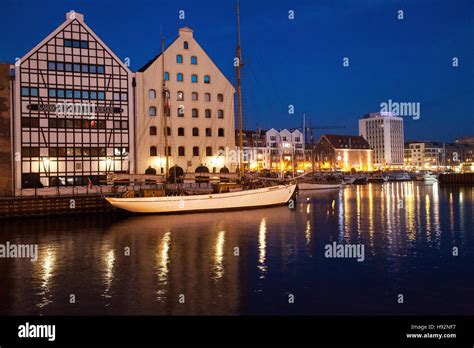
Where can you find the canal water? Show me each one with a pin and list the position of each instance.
(255, 262)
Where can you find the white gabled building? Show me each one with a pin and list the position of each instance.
(72, 111)
(286, 149)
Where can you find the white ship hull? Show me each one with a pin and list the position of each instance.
(317, 186)
(268, 196)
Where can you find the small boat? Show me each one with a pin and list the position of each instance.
(399, 176)
(430, 178)
(245, 199)
(318, 186)
(377, 178)
(349, 179)
(361, 180)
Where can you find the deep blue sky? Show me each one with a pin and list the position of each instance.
(297, 61)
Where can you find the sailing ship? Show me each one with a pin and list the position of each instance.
(237, 199)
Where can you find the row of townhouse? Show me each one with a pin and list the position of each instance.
(73, 112)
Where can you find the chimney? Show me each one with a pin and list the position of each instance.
(185, 32)
(74, 15)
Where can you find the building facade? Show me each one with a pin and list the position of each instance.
(6, 160)
(199, 108)
(286, 149)
(256, 155)
(343, 153)
(424, 154)
(384, 133)
(73, 110)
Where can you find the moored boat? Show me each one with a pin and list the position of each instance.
(318, 186)
(245, 199)
(377, 177)
(430, 178)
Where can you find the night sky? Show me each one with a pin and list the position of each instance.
(299, 61)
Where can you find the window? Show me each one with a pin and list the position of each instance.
(195, 151)
(152, 130)
(167, 76)
(220, 97)
(101, 96)
(181, 151)
(195, 132)
(194, 96)
(207, 113)
(51, 66)
(153, 151)
(151, 111)
(179, 59)
(208, 151)
(151, 94)
(181, 132)
(181, 111)
(208, 132)
(169, 151)
(179, 77)
(51, 93)
(194, 78)
(185, 45)
(167, 111)
(207, 97)
(100, 69)
(180, 96)
(168, 131)
(220, 113)
(194, 60)
(195, 113)
(77, 94)
(207, 79)
(220, 132)
(77, 67)
(221, 151)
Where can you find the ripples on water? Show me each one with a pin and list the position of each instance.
(248, 262)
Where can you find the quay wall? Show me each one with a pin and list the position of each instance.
(457, 178)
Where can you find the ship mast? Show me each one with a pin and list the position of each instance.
(164, 95)
(239, 93)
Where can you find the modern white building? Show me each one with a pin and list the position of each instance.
(199, 108)
(286, 149)
(384, 133)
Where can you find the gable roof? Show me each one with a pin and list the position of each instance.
(346, 141)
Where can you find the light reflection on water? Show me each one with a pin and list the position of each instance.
(408, 230)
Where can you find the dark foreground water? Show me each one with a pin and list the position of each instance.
(408, 231)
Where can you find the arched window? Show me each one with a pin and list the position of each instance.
(181, 151)
(179, 59)
(195, 132)
(207, 97)
(152, 150)
(208, 132)
(220, 132)
(195, 113)
(181, 111)
(194, 60)
(151, 94)
(151, 111)
(221, 151)
(180, 96)
(152, 130)
(195, 151)
(208, 151)
(181, 131)
(207, 79)
(207, 113)
(194, 96)
(169, 151)
(185, 45)
(220, 113)
(179, 77)
(194, 78)
(168, 131)
(167, 76)
(220, 97)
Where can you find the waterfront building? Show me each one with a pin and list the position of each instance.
(384, 133)
(6, 175)
(199, 108)
(73, 110)
(286, 150)
(424, 154)
(256, 155)
(343, 153)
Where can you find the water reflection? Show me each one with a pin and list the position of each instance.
(262, 245)
(405, 227)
